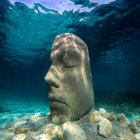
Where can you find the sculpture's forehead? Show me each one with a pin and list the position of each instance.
(68, 41)
(65, 48)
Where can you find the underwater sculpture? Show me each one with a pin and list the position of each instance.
(69, 79)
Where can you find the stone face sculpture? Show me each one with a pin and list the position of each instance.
(69, 79)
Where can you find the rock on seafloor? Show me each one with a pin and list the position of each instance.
(135, 126)
(121, 117)
(137, 136)
(19, 137)
(95, 116)
(105, 114)
(43, 137)
(125, 133)
(72, 131)
(105, 127)
(39, 127)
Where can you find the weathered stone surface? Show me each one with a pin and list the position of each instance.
(42, 137)
(138, 123)
(137, 136)
(23, 129)
(28, 137)
(53, 131)
(28, 124)
(19, 137)
(46, 137)
(106, 115)
(5, 135)
(95, 116)
(72, 131)
(105, 127)
(125, 133)
(69, 79)
(47, 132)
(103, 112)
(135, 126)
(121, 117)
(110, 117)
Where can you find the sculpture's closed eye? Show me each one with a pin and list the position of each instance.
(71, 59)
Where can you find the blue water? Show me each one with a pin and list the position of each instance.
(111, 30)
(11, 111)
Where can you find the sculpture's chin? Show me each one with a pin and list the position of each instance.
(60, 119)
(60, 112)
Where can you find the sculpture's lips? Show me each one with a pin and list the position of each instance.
(56, 100)
(57, 105)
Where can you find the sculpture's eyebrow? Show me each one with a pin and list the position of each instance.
(75, 41)
(55, 47)
(61, 52)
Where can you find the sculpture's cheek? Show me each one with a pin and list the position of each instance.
(71, 74)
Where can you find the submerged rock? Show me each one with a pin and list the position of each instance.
(106, 115)
(72, 131)
(45, 137)
(105, 127)
(137, 136)
(121, 117)
(95, 116)
(23, 129)
(28, 124)
(19, 137)
(53, 131)
(110, 117)
(103, 112)
(135, 126)
(5, 135)
(125, 133)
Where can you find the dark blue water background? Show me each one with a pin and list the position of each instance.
(110, 29)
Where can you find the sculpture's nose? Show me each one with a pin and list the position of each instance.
(51, 80)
